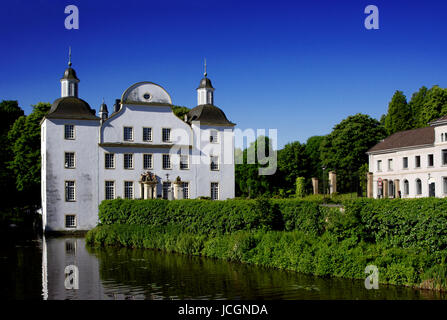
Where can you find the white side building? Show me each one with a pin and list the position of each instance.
(411, 163)
(141, 150)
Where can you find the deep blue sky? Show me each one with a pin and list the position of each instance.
(300, 67)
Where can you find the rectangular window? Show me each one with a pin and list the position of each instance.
(214, 163)
(166, 189)
(147, 134)
(109, 161)
(214, 136)
(128, 161)
(110, 190)
(128, 189)
(444, 157)
(70, 192)
(390, 164)
(69, 132)
(128, 134)
(214, 191)
(166, 135)
(379, 165)
(417, 161)
(444, 183)
(185, 186)
(166, 161)
(184, 162)
(147, 161)
(430, 160)
(69, 160)
(70, 221)
(405, 163)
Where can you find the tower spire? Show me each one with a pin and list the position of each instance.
(69, 56)
(205, 74)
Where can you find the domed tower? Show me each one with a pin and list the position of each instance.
(69, 82)
(205, 91)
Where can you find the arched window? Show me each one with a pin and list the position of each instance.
(406, 187)
(418, 186)
(391, 189)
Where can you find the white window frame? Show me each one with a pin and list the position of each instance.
(163, 161)
(379, 165)
(215, 192)
(75, 221)
(214, 136)
(65, 131)
(444, 189)
(390, 164)
(416, 163)
(66, 166)
(66, 190)
(403, 163)
(428, 160)
(106, 188)
(150, 134)
(126, 190)
(163, 135)
(131, 160)
(144, 161)
(131, 133)
(182, 164)
(216, 163)
(185, 193)
(112, 154)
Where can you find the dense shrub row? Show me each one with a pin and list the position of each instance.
(405, 238)
(295, 250)
(215, 217)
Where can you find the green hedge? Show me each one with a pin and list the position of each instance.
(407, 223)
(215, 217)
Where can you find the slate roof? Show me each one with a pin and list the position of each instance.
(408, 138)
(205, 83)
(70, 73)
(71, 108)
(209, 115)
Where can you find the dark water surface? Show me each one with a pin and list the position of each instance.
(35, 269)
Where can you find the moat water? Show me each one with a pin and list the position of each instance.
(34, 268)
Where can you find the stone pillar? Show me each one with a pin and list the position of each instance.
(332, 182)
(155, 191)
(369, 185)
(396, 188)
(385, 188)
(178, 194)
(146, 191)
(315, 185)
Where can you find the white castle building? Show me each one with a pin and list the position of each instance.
(141, 150)
(410, 164)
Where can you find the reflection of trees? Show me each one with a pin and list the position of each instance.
(155, 273)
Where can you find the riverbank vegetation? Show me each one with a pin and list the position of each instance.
(405, 238)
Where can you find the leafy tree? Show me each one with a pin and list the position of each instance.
(292, 163)
(9, 113)
(344, 149)
(416, 104)
(24, 138)
(248, 181)
(180, 111)
(435, 105)
(313, 154)
(399, 115)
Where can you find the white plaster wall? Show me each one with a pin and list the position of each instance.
(55, 174)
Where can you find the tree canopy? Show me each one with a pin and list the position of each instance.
(24, 138)
(399, 116)
(344, 149)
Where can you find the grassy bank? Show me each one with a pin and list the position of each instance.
(405, 239)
